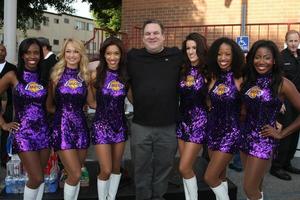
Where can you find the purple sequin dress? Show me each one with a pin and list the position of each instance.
(109, 125)
(70, 130)
(262, 109)
(193, 113)
(29, 103)
(223, 124)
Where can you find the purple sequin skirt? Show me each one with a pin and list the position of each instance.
(31, 140)
(105, 133)
(258, 146)
(70, 132)
(192, 125)
(226, 142)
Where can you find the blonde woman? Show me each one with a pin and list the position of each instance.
(67, 96)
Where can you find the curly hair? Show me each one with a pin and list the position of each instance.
(201, 51)
(251, 74)
(23, 48)
(59, 68)
(238, 58)
(103, 67)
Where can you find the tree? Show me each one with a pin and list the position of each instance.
(33, 9)
(107, 13)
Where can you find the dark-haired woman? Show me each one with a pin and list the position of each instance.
(191, 128)
(29, 128)
(225, 62)
(263, 91)
(109, 130)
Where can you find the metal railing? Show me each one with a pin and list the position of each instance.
(176, 34)
(99, 35)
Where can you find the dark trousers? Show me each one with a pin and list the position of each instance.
(4, 135)
(287, 146)
(3, 153)
(153, 150)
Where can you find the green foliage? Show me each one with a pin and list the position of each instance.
(33, 9)
(107, 13)
(109, 18)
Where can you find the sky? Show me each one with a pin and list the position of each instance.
(81, 9)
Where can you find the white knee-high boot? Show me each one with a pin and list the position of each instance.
(102, 187)
(77, 190)
(262, 196)
(70, 191)
(186, 192)
(225, 184)
(30, 194)
(114, 181)
(192, 188)
(40, 192)
(221, 192)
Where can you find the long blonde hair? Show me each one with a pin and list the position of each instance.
(59, 68)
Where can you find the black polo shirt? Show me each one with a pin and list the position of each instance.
(154, 81)
(9, 107)
(291, 66)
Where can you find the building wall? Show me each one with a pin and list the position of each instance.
(208, 12)
(68, 26)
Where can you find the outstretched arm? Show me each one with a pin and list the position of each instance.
(129, 95)
(289, 92)
(50, 98)
(91, 97)
(6, 81)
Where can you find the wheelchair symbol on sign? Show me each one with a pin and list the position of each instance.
(242, 43)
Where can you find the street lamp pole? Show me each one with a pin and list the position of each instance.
(10, 29)
(244, 17)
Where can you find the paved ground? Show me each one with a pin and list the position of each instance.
(274, 188)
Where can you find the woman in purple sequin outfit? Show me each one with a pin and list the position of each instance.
(67, 97)
(225, 61)
(264, 90)
(191, 127)
(30, 128)
(109, 130)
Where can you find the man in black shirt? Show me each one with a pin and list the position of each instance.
(154, 77)
(288, 145)
(5, 67)
(49, 60)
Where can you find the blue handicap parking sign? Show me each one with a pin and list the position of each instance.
(243, 42)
